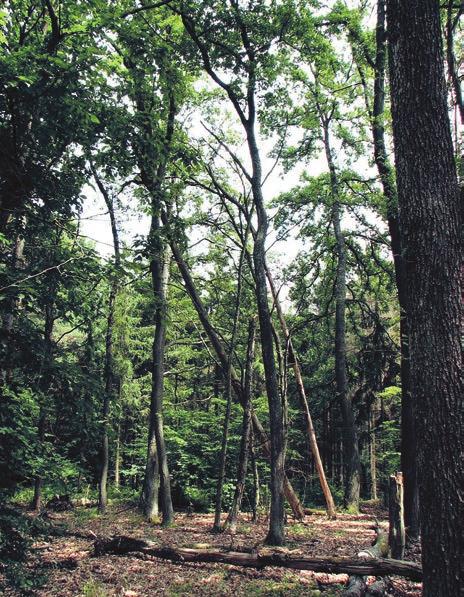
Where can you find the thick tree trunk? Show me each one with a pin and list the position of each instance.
(281, 559)
(431, 226)
(350, 433)
(293, 359)
(218, 348)
(231, 521)
(387, 178)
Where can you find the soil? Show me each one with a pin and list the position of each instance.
(71, 569)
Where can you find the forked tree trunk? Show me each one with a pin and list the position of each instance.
(431, 227)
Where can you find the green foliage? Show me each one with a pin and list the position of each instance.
(17, 533)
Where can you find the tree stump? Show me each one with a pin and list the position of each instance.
(397, 536)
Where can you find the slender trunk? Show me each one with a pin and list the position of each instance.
(222, 460)
(117, 458)
(37, 497)
(387, 178)
(228, 393)
(331, 511)
(12, 304)
(160, 277)
(222, 358)
(157, 461)
(109, 387)
(110, 375)
(350, 435)
(372, 455)
(231, 522)
(254, 468)
(431, 225)
(275, 534)
(44, 382)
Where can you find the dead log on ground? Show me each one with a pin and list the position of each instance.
(340, 565)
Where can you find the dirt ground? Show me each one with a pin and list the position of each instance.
(72, 570)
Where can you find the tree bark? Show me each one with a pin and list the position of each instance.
(275, 534)
(431, 226)
(282, 559)
(160, 277)
(387, 178)
(396, 516)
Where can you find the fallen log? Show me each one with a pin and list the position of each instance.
(121, 545)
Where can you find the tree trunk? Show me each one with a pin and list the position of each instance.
(431, 226)
(231, 521)
(396, 516)
(228, 393)
(45, 377)
(282, 559)
(293, 359)
(160, 277)
(350, 433)
(110, 376)
(12, 303)
(387, 178)
(254, 468)
(275, 534)
(372, 455)
(117, 458)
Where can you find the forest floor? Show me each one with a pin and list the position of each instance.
(71, 570)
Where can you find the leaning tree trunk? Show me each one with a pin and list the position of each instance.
(330, 504)
(431, 226)
(350, 434)
(387, 178)
(231, 521)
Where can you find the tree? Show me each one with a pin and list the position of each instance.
(431, 228)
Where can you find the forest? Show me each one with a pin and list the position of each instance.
(231, 281)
